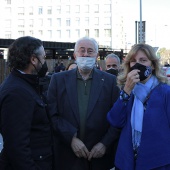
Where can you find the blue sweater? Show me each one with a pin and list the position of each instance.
(154, 150)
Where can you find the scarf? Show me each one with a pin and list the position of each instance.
(141, 92)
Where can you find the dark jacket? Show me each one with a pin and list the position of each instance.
(24, 124)
(63, 108)
(154, 150)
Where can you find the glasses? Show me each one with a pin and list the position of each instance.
(89, 51)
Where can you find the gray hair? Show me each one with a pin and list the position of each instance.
(87, 38)
(112, 55)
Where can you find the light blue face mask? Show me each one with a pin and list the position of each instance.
(86, 63)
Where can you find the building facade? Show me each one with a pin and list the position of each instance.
(64, 20)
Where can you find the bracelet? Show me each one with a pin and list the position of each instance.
(124, 96)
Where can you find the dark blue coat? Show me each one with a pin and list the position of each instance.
(24, 125)
(154, 150)
(63, 106)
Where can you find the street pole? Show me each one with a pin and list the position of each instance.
(140, 37)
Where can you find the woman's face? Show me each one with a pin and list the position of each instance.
(140, 58)
(72, 66)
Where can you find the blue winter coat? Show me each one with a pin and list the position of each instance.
(154, 150)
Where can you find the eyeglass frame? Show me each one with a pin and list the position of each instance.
(83, 50)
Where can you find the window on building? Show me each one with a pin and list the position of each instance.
(21, 23)
(87, 21)
(40, 22)
(49, 34)
(77, 21)
(20, 11)
(58, 22)
(30, 10)
(58, 9)
(107, 43)
(31, 22)
(8, 1)
(107, 32)
(107, 8)
(86, 8)
(96, 8)
(96, 21)
(7, 35)
(21, 33)
(49, 10)
(20, 1)
(77, 9)
(40, 10)
(77, 33)
(67, 7)
(49, 22)
(68, 33)
(107, 21)
(8, 23)
(96, 32)
(87, 32)
(58, 34)
(8, 11)
(40, 32)
(31, 32)
(68, 22)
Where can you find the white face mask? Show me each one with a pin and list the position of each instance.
(85, 63)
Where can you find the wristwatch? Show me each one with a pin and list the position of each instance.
(124, 96)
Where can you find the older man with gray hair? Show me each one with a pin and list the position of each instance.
(112, 62)
(79, 100)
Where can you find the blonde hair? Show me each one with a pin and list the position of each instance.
(150, 53)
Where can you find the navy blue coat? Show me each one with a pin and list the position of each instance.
(24, 125)
(63, 108)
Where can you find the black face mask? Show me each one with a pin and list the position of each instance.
(43, 70)
(145, 71)
(112, 71)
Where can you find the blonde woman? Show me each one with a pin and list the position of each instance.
(143, 113)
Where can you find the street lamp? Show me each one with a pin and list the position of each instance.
(140, 36)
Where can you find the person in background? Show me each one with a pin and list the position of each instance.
(79, 100)
(56, 68)
(71, 66)
(59, 67)
(142, 112)
(112, 62)
(24, 123)
(62, 67)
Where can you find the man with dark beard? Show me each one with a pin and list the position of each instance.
(24, 122)
(79, 100)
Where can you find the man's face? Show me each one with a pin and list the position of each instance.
(112, 63)
(40, 57)
(85, 48)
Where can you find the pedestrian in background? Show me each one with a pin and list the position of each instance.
(24, 123)
(142, 112)
(112, 64)
(56, 68)
(79, 100)
(71, 66)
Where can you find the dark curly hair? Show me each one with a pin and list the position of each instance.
(21, 50)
